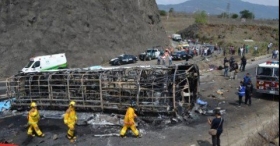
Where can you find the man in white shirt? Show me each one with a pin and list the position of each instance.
(241, 51)
(268, 47)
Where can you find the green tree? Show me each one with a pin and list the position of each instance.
(246, 14)
(200, 17)
(171, 10)
(234, 16)
(162, 13)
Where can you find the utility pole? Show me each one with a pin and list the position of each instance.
(228, 7)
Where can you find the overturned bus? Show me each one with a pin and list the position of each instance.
(155, 89)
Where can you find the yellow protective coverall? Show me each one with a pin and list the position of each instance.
(33, 119)
(129, 122)
(70, 119)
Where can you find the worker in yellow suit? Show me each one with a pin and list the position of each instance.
(129, 121)
(33, 119)
(70, 119)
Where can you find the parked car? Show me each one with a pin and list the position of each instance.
(151, 53)
(180, 55)
(123, 59)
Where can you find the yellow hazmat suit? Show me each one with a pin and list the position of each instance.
(33, 119)
(70, 119)
(129, 122)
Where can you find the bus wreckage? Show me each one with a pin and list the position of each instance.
(155, 89)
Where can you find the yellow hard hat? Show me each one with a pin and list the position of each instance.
(73, 103)
(33, 104)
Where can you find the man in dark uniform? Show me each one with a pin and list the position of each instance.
(248, 92)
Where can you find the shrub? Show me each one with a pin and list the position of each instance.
(200, 17)
(234, 16)
(162, 13)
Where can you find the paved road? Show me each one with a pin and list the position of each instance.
(180, 134)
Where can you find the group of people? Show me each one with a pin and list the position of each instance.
(167, 54)
(245, 89)
(230, 65)
(70, 119)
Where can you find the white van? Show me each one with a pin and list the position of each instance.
(45, 63)
(176, 37)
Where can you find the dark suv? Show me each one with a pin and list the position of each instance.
(123, 59)
(180, 55)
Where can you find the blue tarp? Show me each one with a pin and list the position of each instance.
(5, 104)
(201, 102)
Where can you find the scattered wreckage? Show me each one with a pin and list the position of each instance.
(156, 89)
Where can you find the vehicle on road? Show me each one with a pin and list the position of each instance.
(46, 63)
(124, 59)
(267, 78)
(151, 53)
(180, 55)
(176, 37)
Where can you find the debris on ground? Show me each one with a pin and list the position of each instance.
(200, 106)
(55, 137)
(212, 96)
(107, 135)
(221, 92)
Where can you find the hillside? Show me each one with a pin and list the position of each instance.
(90, 32)
(215, 7)
(226, 35)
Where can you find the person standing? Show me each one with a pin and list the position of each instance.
(241, 51)
(129, 121)
(225, 60)
(226, 66)
(163, 59)
(33, 118)
(217, 123)
(248, 93)
(170, 58)
(246, 49)
(273, 54)
(70, 119)
(243, 63)
(276, 54)
(241, 93)
(268, 47)
(246, 79)
(256, 50)
(158, 60)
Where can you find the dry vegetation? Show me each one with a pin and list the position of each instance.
(226, 32)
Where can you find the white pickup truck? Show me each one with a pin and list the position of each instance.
(151, 53)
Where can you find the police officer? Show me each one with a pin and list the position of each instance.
(248, 92)
(241, 92)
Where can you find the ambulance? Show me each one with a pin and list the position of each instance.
(46, 63)
(267, 77)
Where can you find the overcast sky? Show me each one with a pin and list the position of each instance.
(262, 2)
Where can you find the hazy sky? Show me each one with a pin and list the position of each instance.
(263, 2)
